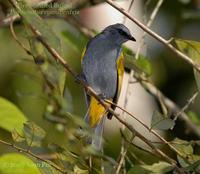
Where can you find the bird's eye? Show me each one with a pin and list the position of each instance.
(121, 32)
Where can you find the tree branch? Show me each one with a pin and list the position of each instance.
(189, 102)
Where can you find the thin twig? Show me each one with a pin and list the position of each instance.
(156, 36)
(123, 153)
(189, 102)
(129, 8)
(16, 39)
(149, 23)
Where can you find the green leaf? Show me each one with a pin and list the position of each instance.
(141, 65)
(197, 78)
(80, 171)
(194, 167)
(184, 1)
(184, 147)
(33, 134)
(75, 39)
(192, 49)
(46, 168)
(14, 163)
(160, 122)
(158, 168)
(17, 137)
(137, 170)
(31, 17)
(191, 164)
(144, 64)
(11, 117)
(184, 163)
(194, 117)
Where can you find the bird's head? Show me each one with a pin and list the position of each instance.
(119, 33)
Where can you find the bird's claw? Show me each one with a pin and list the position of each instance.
(79, 77)
(102, 96)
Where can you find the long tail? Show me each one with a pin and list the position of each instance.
(95, 118)
(97, 141)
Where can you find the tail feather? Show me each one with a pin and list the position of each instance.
(98, 139)
(95, 118)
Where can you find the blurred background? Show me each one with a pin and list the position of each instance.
(22, 83)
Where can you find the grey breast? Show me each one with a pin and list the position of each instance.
(99, 65)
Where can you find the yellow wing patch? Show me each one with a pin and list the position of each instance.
(96, 112)
(83, 53)
(120, 73)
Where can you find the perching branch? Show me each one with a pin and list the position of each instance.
(156, 36)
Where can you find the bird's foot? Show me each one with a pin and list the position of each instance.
(79, 78)
(102, 96)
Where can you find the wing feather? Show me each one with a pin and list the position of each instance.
(120, 73)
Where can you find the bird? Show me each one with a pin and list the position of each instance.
(103, 69)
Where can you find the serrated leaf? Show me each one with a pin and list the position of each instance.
(192, 49)
(160, 122)
(184, 147)
(11, 117)
(33, 134)
(14, 163)
(158, 168)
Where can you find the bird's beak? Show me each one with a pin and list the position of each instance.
(132, 38)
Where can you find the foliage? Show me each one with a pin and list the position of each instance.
(11, 117)
(57, 144)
